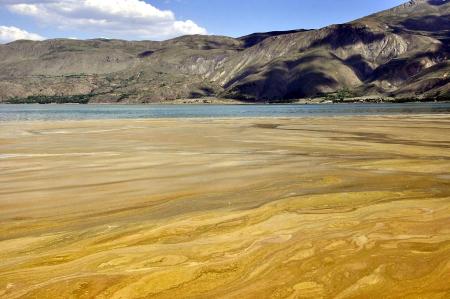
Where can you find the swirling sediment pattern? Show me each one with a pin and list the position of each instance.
(344, 207)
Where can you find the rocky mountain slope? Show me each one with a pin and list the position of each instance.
(402, 52)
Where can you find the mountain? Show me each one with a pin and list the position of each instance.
(402, 53)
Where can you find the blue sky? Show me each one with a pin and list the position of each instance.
(162, 19)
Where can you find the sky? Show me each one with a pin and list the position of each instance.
(165, 19)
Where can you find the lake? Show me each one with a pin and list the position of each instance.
(80, 112)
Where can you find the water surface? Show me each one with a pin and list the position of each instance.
(79, 112)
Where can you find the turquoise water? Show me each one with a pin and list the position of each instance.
(78, 112)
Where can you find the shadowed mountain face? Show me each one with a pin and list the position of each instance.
(400, 52)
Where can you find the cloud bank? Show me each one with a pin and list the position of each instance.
(130, 19)
(11, 33)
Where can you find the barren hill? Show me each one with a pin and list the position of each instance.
(401, 52)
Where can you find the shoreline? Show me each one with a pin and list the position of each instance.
(219, 101)
(232, 104)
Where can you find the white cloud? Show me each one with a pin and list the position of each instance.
(11, 33)
(25, 1)
(132, 19)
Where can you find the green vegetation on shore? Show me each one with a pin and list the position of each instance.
(42, 99)
(341, 96)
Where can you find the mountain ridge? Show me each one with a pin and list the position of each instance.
(402, 52)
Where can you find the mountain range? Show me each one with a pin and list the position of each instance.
(401, 54)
